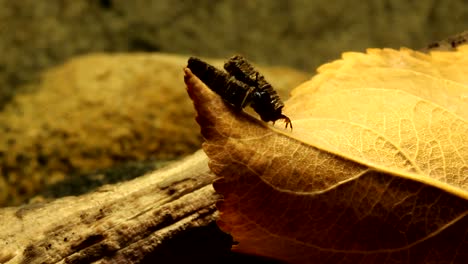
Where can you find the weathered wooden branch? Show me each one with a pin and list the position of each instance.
(148, 217)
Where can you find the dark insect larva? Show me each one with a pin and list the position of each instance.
(241, 86)
(231, 90)
(265, 100)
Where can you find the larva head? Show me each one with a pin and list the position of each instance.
(269, 107)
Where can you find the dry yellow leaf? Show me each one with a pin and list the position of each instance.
(375, 171)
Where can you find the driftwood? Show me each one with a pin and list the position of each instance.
(167, 216)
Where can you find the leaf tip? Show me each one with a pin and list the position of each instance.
(190, 81)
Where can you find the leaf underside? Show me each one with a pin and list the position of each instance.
(375, 171)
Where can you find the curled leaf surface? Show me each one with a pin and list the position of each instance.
(375, 171)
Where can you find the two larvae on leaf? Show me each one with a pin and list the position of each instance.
(241, 86)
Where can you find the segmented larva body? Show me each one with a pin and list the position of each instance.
(231, 90)
(265, 101)
(241, 86)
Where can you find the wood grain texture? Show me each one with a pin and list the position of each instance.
(118, 223)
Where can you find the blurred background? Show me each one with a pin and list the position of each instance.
(39, 39)
(297, 33)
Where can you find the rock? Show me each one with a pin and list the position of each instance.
(99, 111)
